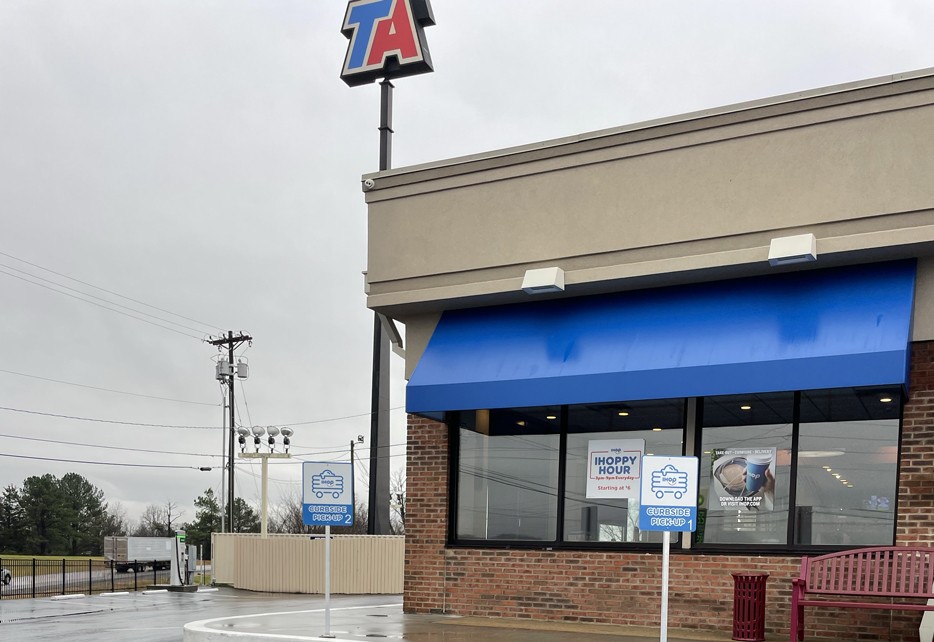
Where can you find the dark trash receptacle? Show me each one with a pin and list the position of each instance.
(749, 606)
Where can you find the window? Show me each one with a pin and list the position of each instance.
(507, 484)
(588, 517)
(816, 468)
(740, 432)
(781, 471)
(513, 464)
(847, 467)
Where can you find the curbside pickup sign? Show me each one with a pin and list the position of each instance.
(327, 493)
(668, 500)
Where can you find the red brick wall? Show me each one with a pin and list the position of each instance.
(623, 587)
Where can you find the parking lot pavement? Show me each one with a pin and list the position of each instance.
(156, 617)
(228, 614)
(351, 623)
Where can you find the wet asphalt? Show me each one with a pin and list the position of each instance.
(227, 614)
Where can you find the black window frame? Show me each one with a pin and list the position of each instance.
(680, 543)
(453, 421)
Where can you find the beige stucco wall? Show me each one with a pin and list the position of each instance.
(682, 200)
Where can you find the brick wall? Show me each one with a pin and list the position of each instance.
(623, 587)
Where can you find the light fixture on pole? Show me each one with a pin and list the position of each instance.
(272, 432)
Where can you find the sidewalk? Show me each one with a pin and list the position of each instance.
(366, 623)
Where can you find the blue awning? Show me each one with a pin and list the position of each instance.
(806, 330)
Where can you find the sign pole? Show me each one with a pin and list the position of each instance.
(327, 583)
(327, 498)
(666, 551)
(668, 502)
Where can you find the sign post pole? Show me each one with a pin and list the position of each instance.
(327, 583)
(668, 502)
(666, 552)
(327, 498)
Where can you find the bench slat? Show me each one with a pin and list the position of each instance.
(867, 605)
(880, 571)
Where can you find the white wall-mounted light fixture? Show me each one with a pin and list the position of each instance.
(543, 280)
(786, 250)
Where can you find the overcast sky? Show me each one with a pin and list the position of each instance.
(204, 157)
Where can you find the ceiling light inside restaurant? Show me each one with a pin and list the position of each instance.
(811, 454)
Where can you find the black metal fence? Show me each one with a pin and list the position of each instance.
(46, 577)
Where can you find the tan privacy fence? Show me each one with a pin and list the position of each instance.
(360, 564)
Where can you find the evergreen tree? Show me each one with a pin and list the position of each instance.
(207, 520)
(86, 515)
(11, 521)
(245, 517)
(45, 516)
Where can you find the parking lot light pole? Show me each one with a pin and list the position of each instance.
(257, 432)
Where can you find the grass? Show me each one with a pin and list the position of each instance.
(56, 558)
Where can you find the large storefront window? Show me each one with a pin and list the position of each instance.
(658, 427)
(847, 475)
(507, 487)
(740, 433)
(789, 470)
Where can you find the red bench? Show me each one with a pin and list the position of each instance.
(896, 572)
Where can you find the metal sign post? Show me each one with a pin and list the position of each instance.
(327, 583)
(668, 502)
(327, 498)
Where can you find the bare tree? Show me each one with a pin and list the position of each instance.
(397, 501)
(159, 521)
(286, 517)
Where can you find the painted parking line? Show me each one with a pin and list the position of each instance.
(203, 629)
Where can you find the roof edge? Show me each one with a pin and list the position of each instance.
(657, 122)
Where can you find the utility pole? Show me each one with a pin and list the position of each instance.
(226, 371)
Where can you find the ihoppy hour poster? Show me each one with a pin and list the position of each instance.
(614, 468)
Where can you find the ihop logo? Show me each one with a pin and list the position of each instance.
(387, 39)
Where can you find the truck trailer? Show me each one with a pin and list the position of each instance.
(138, 553)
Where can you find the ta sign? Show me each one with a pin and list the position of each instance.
(387, 39)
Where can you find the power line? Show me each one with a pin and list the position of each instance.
(85, 445)
(93, 296)
(126, 314)
(100, 463)
(97, 287)
(246, 404)
(120, 392)
(321, 421)
(154, 425)
(107, 421)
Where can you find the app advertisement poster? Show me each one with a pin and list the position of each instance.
(614, 468)
(742, 478)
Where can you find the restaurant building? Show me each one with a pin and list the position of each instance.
(750, 281)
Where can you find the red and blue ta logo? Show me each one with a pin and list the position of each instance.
(387, 39)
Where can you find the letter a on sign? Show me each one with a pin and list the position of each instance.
(387, 39)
